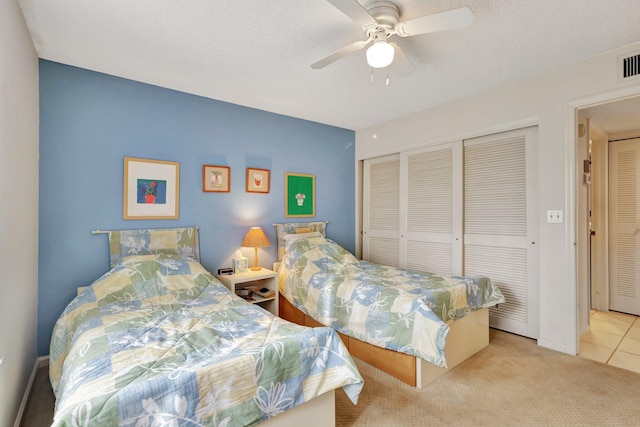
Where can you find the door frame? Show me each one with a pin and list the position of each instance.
(577, 274)
(599, 196)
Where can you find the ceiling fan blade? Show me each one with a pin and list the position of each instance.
(355, 11)
(354, 47)
(448, 20)
(401, 63)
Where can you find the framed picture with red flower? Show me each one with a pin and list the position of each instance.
(151, 189)
(258, 180)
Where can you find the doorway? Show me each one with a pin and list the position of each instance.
(609, 210)
(607, 248)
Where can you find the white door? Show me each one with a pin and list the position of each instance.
(431, 227)
(381, 210)
(500, 227)
(467, 207)
(624, 226)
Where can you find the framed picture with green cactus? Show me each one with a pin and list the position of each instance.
(216, 179)
(151, 189)
(300, 195)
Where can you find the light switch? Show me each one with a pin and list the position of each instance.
(554, 217)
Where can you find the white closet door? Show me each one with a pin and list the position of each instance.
(624, 226)
(462, 208)
(500, 230)
(431, 227)
(381, 210)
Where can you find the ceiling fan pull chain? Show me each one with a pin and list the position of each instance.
(388, 81)
(371, 74)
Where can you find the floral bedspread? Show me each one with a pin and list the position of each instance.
(402, 310)
(159, 341)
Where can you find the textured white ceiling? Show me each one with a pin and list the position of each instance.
(258, 53)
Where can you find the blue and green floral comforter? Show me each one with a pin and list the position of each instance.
(402, 310)
(159, 341)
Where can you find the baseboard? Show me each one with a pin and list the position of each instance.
(43, 361)
(40, 361)
(553, 346)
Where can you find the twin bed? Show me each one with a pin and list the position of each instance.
(157, 340)
(403, 322)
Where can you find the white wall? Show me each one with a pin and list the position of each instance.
(18, 208)
(547, 100)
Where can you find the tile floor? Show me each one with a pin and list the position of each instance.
(614, 339)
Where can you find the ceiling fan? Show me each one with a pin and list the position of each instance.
(380, 21)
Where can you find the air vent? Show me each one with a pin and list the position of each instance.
(628, 67)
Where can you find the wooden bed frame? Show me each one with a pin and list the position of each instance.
(466, 337)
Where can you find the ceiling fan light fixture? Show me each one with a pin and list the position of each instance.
(380, 54)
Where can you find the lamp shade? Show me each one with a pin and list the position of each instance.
(255, 238)
(380, 54)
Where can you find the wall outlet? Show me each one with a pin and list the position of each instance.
(554, 217)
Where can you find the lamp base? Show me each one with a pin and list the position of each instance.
(255, 267)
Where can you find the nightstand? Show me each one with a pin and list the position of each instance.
(255, 280)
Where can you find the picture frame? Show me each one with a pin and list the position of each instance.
(258, 180)
(216, 179)
(300, 195)
(151, 189)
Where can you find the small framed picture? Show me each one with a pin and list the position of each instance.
(151, 189)
(258, 180)
(216, 179)
(300, 195)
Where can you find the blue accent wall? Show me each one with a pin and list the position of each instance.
(90, 121)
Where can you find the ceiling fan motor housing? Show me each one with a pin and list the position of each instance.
(385, 12)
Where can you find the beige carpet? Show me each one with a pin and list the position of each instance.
(511, 382)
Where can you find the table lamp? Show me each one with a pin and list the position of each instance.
(255, 239)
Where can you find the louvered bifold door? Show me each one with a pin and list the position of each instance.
(381, 210)
(431, 228)
(624, 226)
(500, 230)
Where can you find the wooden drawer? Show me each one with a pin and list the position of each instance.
(400, 365)
(289, 312)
